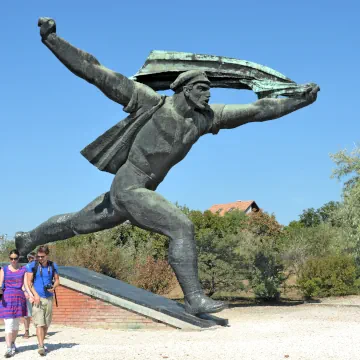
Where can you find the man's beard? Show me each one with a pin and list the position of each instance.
(199, 105)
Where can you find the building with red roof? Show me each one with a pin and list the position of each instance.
(247, 206)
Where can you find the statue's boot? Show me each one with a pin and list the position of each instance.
(183, 260)
(198, 303)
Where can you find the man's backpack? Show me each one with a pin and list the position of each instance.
(50, 265)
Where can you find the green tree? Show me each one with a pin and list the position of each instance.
(260, 259)
(219, 265)
(5, 248)
(264, 225)
(295, 224)
(310, 217)
(347, 166)
(328, 212)
(300, 243)
(348, 213)
(325, 214)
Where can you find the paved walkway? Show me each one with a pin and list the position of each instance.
(301, 332)
(353, 300)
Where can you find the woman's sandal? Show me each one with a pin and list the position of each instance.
(26, 335)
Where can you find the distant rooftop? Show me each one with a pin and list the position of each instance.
(243, 205)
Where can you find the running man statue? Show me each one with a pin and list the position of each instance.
(140, 150)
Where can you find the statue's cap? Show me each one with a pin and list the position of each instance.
(189, 77)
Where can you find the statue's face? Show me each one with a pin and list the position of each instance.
(198, 94)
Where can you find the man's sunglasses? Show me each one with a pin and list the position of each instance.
(40, 257)
(14, 258)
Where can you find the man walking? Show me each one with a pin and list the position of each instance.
(42, 279)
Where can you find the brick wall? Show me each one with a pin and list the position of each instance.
(81, 310)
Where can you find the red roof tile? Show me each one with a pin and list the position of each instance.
(222, 209)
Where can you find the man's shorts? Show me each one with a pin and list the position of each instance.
(42, 313)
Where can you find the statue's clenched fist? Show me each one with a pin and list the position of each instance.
(47, 27)
(311, 92)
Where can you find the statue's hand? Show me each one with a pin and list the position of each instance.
(311, 91)
(47, 27)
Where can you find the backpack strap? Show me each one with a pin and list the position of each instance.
(34, 270)
(53, 270)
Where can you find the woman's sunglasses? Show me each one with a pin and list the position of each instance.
(14, 258)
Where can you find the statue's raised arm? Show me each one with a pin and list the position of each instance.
(115, 86)
(278, 94)
(267, 108)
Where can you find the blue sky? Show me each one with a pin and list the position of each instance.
(48, 115)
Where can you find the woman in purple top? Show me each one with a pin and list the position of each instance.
(13, 302)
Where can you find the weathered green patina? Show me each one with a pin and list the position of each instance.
(162, 68)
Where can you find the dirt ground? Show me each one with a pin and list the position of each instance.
(328, 330)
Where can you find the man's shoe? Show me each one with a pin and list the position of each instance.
(197, 304)
(23, 244)
(8, 353)
(41, 351)
(14, 349)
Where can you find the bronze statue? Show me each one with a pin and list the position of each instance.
(140, 151)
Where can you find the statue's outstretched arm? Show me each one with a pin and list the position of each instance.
(266, 109)
(114, 85)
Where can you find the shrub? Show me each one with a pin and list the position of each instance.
(154, 275)
(95, 254)
(333, 275)
(261, 264)
(219, 265)
(300, 244)
(266, 276)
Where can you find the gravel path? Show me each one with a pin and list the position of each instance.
(297, 332)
